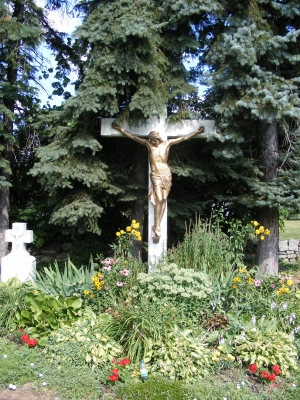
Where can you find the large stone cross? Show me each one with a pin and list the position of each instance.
(166, 130)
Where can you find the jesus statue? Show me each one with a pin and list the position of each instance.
(161, 176)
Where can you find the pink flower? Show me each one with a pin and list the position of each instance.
(125, 272)
(120, 283)
(107, 267)
(106, 287)
(258, 282)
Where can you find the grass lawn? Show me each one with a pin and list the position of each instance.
(291, 230)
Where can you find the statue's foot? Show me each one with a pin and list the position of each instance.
(155, 234)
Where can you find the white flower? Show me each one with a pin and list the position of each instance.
(294, 386)
(253, 320)
(238, 387)
(273, 305)
(12, 387)
(41, 375)
(5, 356)
(32, 364)
(292, 318)
(284, 306)
(44, 384)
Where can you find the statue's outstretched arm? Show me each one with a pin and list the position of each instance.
(186, 137)
(129, 134)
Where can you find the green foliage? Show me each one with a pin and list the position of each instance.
(266, 348)
(186, 289)
(83, 342)
(206, 248)
(155, 388)
(178, 355)
(44, 313)
(138, 324)
(73, 280)
(12, 300)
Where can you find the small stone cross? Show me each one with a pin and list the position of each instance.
(18, 236)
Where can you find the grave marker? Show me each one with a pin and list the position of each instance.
(19, 263)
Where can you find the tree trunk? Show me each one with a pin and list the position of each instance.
(138, 207)
(267, 250)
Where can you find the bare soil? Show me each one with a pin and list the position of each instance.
(26, 392)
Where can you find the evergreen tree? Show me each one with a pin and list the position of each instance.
(135, 53)
(20, 34)
(253, 54)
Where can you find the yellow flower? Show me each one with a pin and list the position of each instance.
(289, 282)
(286, 290)
(128, 229)
(101, 283)
(139, 238)
(250, 281)
(217, 354)
(215, 359)
(100, 276)
(134, 221)
(262, 237)
(133, 231)
(261, 228)
(255, 223)
(220, 348)
(237, 279)
(234, 286)
(94, 278)
(257, 231)
(86, 292)
(243, 271)
(267, 232)
(92, 296)
(230, 357)
(122, 232)
(118, 233)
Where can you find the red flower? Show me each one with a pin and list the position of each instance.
(265, 374)
(276, 369)
(113, 377)
(115, 372)
(32, 342)
(126, 361)
(253, 368)
(25, 338)
(272, 377)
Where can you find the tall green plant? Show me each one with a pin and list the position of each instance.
(68, 283)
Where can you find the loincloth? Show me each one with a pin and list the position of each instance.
(164, 181)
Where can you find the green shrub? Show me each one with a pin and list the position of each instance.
(83, 342)
(72, 281)
(180, 356)
(12, 301)
(184, 288)
(43, 313)
(266, 348)
(155, 388)
(206, 248)
(138, 324)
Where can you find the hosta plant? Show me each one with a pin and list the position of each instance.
(83, 342)
(266, 348)
(180, 356)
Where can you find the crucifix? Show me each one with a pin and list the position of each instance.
(162, 135)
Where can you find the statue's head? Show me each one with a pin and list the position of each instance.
(154, 135)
